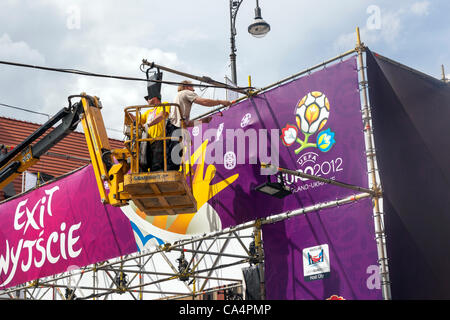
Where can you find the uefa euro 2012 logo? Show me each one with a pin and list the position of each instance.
(311, 114)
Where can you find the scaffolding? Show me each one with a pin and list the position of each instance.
(143, 275)
(204, 260)
(140, 274)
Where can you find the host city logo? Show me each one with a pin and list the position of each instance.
(316, 263)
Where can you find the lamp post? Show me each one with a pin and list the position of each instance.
(259, 28)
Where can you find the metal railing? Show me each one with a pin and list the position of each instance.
(135, 132)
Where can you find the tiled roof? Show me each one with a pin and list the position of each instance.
(67, 155)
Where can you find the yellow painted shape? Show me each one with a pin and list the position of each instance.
(302, 102)
(312, 113)
(160, 222)
(327, 104)
(202, 189)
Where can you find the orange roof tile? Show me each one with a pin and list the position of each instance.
(69, 154)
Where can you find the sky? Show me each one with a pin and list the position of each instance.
(112, 37)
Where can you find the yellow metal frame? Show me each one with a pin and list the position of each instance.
(149, 189)
(26, 160)
(99, 151)
(134, 112)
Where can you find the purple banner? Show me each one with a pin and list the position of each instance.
(59, 227)
(329, 254)
(316, 126)
(312, 124)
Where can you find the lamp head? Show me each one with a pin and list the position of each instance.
(259, 28)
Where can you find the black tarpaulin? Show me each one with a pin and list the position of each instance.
(411, 121)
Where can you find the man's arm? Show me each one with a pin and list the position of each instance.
(157, 118)
(191, 123)
(210, 102)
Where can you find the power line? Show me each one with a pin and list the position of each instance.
(44, 114)
(91, 74)
(23, 109)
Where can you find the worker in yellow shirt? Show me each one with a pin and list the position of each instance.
(153, 119)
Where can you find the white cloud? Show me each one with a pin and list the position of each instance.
(390, 26)
(118, 94)
(20, 86)
(388, 32)
(122, 59)
(50, 92)
(18, 51)
(114, 36)
(187, 36)
(369, 37)
(421, 8)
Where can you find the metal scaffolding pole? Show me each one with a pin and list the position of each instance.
(133, 264)
(317, 178)
(292, 77)
(444, 76)
(120, 265)
(380, 236)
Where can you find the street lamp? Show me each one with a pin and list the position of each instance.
(259, 28)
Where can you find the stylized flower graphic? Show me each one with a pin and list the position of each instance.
(229, 160)
(246, 120)
(219, 131)
(311, 115)
(335, 297)
(195, 131)
(325, 140)
(289, 135)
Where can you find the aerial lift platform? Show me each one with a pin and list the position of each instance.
(165, 192)
(117, 171)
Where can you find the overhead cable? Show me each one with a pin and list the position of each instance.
(44, 114)
(23, 109)
(100, 75)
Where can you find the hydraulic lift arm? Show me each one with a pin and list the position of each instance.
(87, 111)
(26, 155)
(109, 174)
(117, 171)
